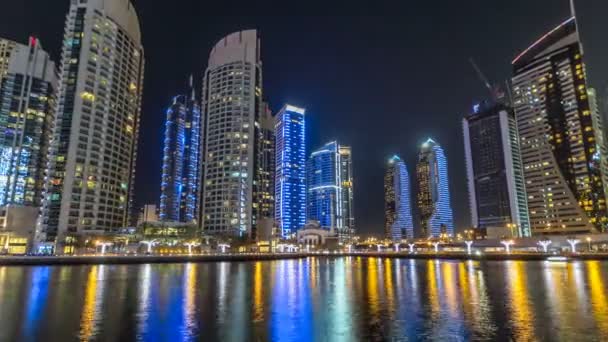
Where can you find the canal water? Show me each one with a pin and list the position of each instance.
(313, 299)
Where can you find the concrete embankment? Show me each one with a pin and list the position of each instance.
(485, 256)
(147, 259)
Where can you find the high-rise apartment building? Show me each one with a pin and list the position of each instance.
(330, 188)
(180, 184)
(599, 129)
(290, 193)
(497, 194)
(434, 205)
(398, 221)
(235, 168)
(27, 113)
(94, 145)
(266, 170)
(559, 142)
(6, 50)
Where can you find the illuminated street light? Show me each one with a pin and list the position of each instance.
(436, 245)
(103, 246)
(507, 245)
(589, 243)
(573, 243)
(397, 248)
(545, 244)
(469, 244)
(149, 245)
(190, 245)
(223, 247)
(412, 245)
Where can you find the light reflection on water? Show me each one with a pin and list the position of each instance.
(315, 299)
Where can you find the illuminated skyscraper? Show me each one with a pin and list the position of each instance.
(266, 167)
(27, 108)
(497, 191)
(559, 142)
(330, 188)
(290, 194)
(398, 222)
(434, 204)
(180, 184)
(235, 176)
(94, 145)
(600, 136)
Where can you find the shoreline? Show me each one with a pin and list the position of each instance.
(168, 259)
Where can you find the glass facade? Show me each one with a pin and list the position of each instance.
(27, 107)
(330, 188)
(494, 169)
(181, 160)
(434, 206)
(398, 221)
(290, 194)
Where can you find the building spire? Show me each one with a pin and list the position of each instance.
(572, 9)
(578, 31)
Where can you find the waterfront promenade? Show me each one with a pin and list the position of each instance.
(240, 257)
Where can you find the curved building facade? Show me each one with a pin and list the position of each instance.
(234, 139)
(92, 155)
(559, 141)
(434, 205)
(398, 221)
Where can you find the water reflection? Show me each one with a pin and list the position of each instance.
(342, 299)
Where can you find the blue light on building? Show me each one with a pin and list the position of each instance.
(398, 212)
(181, 161)
(330, 188)
(434, 206)
(290, 185)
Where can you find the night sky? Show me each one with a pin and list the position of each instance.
(381, 84)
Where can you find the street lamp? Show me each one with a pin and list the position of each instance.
(149, 245)
(190, 245)
(545, 244)
(436, 245)
(412, 245)
(589, 243)
(223, 247)
(507, 244)
(103, 246)
(469, 244)
(573, 243)
(397, 248)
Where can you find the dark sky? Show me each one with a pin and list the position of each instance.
(381, 83)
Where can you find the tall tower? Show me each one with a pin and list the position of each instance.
(290, 194)
(434, 204)
(330, 188)
(398, 221)
(94, 145)
(181, 159)
(27, 115)
(233, 153)
(497, 191)
(560, 155)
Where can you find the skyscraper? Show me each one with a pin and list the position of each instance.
(434, 204)
(330, 188)
(180, 184)
(266, 166)
(398, 222)
(600, 136)
(233, 149)
(561, 159)
(94, 145)
(27, 114)
(497, 191)
(290, 194)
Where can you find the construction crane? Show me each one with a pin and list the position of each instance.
(496, 92)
